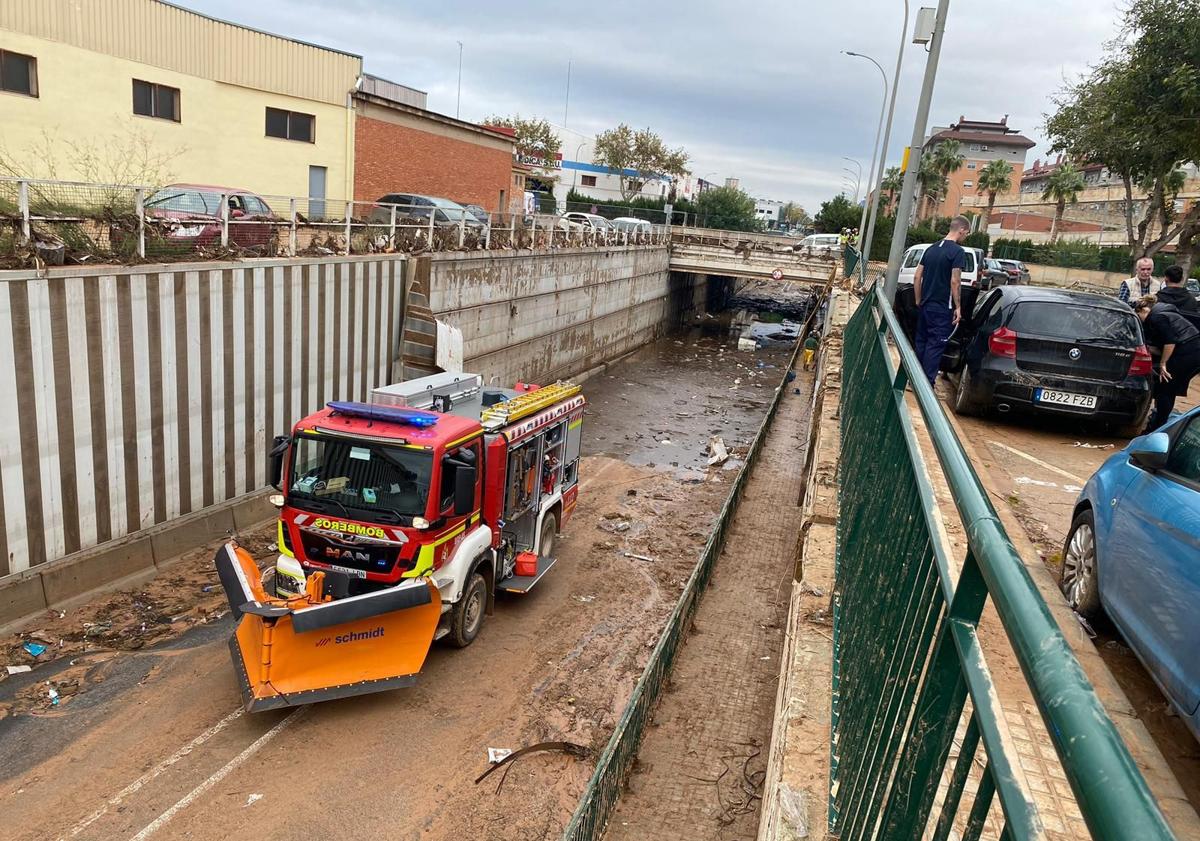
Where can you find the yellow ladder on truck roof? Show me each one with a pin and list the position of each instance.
(502, 414)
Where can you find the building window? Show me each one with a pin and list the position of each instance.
(291, 125)
(971, 165)
(588, 180)
(18, 73)
(151, 100)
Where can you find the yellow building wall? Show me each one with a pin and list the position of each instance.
(85, 99)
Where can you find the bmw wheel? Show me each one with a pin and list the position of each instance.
(1079, 579)
(965, 402)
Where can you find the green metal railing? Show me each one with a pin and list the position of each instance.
(600, 797)
(906, 654)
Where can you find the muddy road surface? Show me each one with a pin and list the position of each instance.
(147, 739)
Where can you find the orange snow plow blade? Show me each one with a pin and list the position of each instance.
(305, 649)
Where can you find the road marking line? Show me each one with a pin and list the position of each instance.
(154, 772)
(1039, 462)
(189, 798)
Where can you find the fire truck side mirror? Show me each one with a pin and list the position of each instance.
(279, 449)
(464, 490)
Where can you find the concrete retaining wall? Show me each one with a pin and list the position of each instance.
(538, 316)
(1057, 276)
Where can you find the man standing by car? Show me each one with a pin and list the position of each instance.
(1141, 284)
(936, 290)
(1177, 342)
(1175, 293)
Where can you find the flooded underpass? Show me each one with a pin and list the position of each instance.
(162, 716)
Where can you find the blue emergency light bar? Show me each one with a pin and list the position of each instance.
(391, 414)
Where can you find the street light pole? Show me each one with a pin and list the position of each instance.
(857, 177)
(862, 223)
(458, 103)
(575, 173)
(887, 137)
(914, 158)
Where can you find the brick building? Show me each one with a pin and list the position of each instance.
(980, 142)
(399, 146)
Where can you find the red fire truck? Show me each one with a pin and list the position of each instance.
(439, 492)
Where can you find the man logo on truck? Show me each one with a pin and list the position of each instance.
(336, 554)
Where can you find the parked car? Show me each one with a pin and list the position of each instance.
(1133, 553)
(190, 215)
(993, 273)
(479, 213)
(1016, 270)
(912, 258)
(830, 244)
(1051, 351)
(632, 225)
(446, 213)
(583, 222)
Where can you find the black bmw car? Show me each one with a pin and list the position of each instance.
(1051, 351)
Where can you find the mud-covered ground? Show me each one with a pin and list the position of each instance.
(147, 738)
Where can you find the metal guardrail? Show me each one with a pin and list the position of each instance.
(906, 654)
(600, 797)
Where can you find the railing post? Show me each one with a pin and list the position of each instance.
(349, 212)
(224, 221)
(23, 206)
(462, 229)
(139, 207)
(432, 213)
(512, 231)
(487, 234)
(292, 227)
(533, 233)
(392, 228)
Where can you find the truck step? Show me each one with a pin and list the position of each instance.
(525, 583)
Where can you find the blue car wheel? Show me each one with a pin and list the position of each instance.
(1078, 579)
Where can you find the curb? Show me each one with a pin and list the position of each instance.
(124, 562)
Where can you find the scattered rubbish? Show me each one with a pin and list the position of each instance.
(614, 525)
(208, 588)
(805, 587)
(791, 375)
(747, 344)
(638, 557)
(1088, 446)
(52, 693)
(34, 649)
(496, 755)
(1087, 628)
(16, 670)
(577, 751)
(252, 799)
(717, 452)
(586, 599)
(793, 811)
(666, 441)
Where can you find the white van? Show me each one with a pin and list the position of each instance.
(821, 244)
(912, 257)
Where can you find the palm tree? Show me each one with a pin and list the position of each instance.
(892, 183)
(993, 178)
(1063, 187)
(933, 183)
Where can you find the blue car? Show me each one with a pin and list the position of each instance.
(1133, 553)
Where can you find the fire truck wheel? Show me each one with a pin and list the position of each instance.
(549, 532)
(468, 613)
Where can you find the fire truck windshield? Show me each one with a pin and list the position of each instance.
(369, 478)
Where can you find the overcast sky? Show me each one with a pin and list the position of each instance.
(753, 90)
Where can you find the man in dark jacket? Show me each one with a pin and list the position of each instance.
(1175, 293)
(1175, 342)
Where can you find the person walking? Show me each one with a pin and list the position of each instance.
(1141, 284)
(1175, 293)
(936, 290)
(810, 350)
(1175, 341)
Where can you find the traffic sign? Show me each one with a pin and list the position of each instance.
(777, 274)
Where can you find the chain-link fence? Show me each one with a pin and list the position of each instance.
(60, 222)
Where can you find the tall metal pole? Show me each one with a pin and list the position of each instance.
(567, 98)
(862, 223)
(877, 184)
(458, 103)
(857, 177)
(900, 232)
